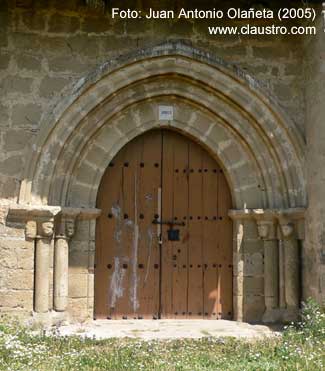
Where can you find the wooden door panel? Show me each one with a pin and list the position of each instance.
(136, 276)
(106, 286)
(126, 278)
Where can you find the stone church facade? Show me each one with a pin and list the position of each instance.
(77, 88)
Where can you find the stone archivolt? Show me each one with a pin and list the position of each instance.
(224, 109)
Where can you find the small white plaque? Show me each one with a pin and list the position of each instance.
(166, 113)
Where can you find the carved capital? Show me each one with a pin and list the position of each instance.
(287, 230)
(65, 226)
(31, 229)
(45, 228)
(266, 229)
(39, 228)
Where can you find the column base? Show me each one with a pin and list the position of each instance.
(272, 315)
(290, 315)
(282, 315)
(51, 318)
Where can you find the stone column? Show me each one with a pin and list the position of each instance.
(238, 264)
(291, 270)
(42, 264)
(65, 230)
(267, 232)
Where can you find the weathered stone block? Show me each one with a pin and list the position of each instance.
(78, 285)
(4, 116)
(16, 299)
(254, 308)
(8, 258)
(17, 279)
(52, 85)
(248, 286)
(4, 61)
(182, 27)
(78, 308)
(91, 286)
(96, 25)
(248, 264)
(276, 51)
(25, 42)
(67, 64)
(11, 166)
(79, 260)
(63, 24)
(25, 256)
(16, 84)
(250, 230)
(84, 46)
(28, 62)
(33, 21)
(26, 115)
(15, 140)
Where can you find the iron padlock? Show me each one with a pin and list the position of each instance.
(173, 234)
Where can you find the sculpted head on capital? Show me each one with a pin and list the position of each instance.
(47, 228)
(69, 227)
(287, 229)
(263, 229)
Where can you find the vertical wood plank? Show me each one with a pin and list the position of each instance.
(195, 296)
(149, 257)
(167, 263)
(225, 247)
(210, 237)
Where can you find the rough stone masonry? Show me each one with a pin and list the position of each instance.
(70, 99)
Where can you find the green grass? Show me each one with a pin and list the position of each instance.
(301, 347)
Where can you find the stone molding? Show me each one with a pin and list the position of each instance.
(274, 223)
(47, 221)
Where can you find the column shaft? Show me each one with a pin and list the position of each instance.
(61, 267)
(291, 263)
(271, 274)
(42, 268)
(282, 301)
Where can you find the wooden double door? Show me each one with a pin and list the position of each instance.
(164, 239)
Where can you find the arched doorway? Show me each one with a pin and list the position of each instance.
(164, 239)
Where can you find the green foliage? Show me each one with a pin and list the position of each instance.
(301, 347)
